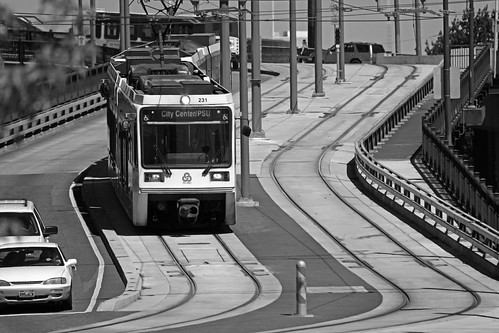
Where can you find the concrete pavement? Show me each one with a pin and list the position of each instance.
(279, 127)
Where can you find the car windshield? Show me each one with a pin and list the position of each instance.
(18, 224)
(16, 257)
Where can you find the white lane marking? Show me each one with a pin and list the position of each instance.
(339, 289)
(100, 259)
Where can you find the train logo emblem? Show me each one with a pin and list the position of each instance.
(187, 178)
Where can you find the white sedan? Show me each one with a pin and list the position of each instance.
(35, 273)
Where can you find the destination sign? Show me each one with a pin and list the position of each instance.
(191, 114)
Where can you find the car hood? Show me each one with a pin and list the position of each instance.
(30, 273)
(21, 239)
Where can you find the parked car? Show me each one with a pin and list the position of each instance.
(355, 53)
(35, 273)
(20, 221)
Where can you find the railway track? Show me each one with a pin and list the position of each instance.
(420, 284)
(210, 272)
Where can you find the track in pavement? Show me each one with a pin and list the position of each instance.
(308, 157)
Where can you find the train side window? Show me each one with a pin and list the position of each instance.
(98, 30)
(147, 32)
(112, 31)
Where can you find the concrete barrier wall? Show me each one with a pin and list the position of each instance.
(382, 59)
(460, 230)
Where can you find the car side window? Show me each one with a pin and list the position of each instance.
(378, 48)
(349, 48)
(363, 48)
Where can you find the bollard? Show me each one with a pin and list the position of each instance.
(301, 288)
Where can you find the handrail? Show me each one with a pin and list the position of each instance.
(27, 127)
(453, 225)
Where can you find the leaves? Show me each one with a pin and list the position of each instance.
(459, 33)
(26, 90)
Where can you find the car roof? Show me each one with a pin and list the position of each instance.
(28, 244)
(16, 205)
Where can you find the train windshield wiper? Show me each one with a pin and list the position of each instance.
(212, 161)
(164, 165)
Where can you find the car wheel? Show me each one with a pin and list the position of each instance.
(67, 304)
(355, 61)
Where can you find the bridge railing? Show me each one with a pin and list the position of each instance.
(76, 98)
(454, 171)
(460, 230)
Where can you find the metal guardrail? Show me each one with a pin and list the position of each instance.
(49, 119)
(75, 99)
(456, 173)
(455, 227)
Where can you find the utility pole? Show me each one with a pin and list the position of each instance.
(319, 91)
(256, 78)
(225, 46)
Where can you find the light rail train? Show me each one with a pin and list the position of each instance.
(171, 132)
(107, 27)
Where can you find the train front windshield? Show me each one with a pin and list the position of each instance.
(186, 138)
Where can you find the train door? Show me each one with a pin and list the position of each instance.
(124, 158)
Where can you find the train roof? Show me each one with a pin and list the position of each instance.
(149, 75)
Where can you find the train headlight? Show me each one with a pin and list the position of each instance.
(219, 176)
(153, 177)
(184, 100)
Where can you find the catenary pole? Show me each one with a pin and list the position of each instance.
(225, 74)
(417, 18)
(396, 21)
(256, 78)
(341, 23)
(243, 98)
(319, 91)
(92, 32)
(471, 18)
(122, 24)
(446, 75)
(293, 93)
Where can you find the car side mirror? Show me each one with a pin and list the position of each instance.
(50, 230)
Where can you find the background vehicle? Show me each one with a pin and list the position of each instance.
(171, 139)
(355, 53)
(20, 221)
(35, 273)
(107, 27)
